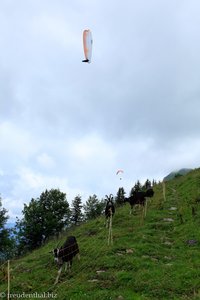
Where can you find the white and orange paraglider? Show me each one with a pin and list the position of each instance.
(120, 173)
(87, 45)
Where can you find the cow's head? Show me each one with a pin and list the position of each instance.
(109, 204)
(57, 259)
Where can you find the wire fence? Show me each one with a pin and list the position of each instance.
(10, 269)
(95, 249)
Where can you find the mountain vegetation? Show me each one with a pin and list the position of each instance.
(6, 241)
(177, 173)
(154, 257)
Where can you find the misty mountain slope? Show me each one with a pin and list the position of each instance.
(153, 258)
(177, 173)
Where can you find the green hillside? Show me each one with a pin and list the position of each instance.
(154, 258)
(177, 173)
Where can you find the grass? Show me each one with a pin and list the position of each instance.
(149, 259)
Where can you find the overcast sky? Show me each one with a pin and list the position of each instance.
(71, 125)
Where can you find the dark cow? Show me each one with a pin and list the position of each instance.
(139, 198)
(110, 208)
(65, 254)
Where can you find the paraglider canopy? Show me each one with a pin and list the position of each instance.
(87, 45)
(120, 172)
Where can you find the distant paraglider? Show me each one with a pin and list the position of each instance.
(87, 45)
(120, 173)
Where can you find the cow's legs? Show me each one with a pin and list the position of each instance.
(66, 266)
(58, 276)
(107, 222)
(69, 265)
(145, 208)
(132, 209)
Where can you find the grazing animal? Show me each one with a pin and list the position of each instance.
(65, 254)
(110, 208)
(139, 198)
(109, 212)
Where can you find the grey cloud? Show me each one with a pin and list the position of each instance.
(137, 102)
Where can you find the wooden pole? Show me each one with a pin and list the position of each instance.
(109, 232)
(8, 279)
(145, 208)
(110, 238)
(164, 189)
(142, 214)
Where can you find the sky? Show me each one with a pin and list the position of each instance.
(71, 125)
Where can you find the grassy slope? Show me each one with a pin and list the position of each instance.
(148, 260)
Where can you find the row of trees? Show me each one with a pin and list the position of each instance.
(48, 215)
(6, 240)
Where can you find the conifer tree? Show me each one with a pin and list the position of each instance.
(137, 187)
(147, 184)
(93, 207)
(6, 242)
(154, 182)
(119, 200)
(77, 215)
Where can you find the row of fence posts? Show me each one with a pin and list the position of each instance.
(110, 241)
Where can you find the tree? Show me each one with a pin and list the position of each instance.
(154, 182)
(76, 216)
(93, 207)
(147, 184)
(6, 242)
(42, 218)
(137, 187)
(55, 211)
(30, 229)
(120, 197)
